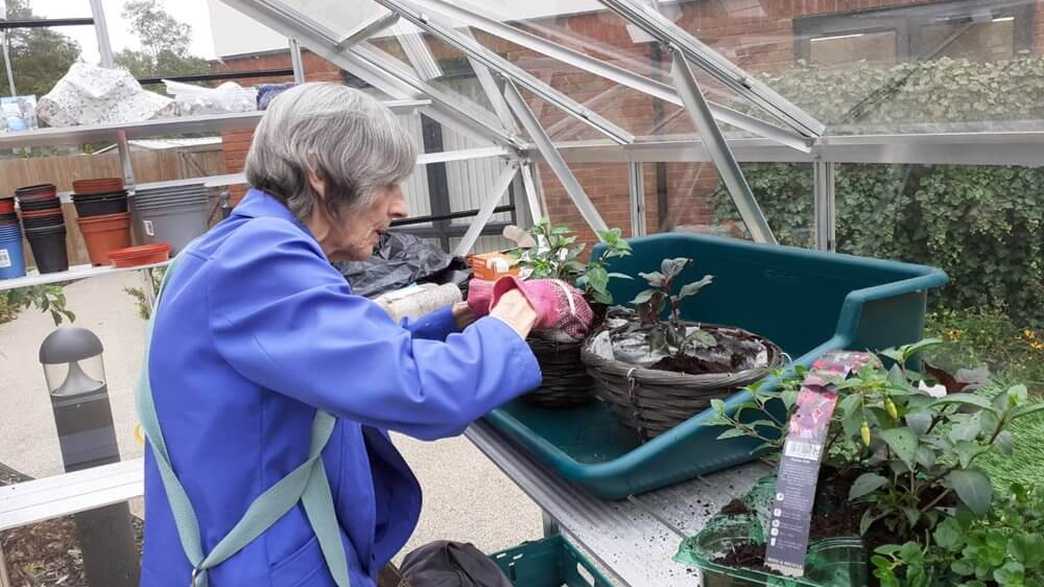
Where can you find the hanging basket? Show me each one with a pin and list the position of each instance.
(566, 383)
(652, 401)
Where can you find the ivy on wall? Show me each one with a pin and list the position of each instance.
(981, 224)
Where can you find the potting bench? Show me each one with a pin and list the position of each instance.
(633, 540)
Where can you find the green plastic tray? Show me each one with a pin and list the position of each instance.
(808, 302)
(835, 562)
(551, 562)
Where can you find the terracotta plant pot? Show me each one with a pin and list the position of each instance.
(7, 205)
(104, 234)
(140, 255)
(101, 185)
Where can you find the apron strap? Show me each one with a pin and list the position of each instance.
(307, 484)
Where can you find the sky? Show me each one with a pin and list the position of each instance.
(193, 12)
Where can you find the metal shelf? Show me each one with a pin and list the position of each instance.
(207, 124)
(627, 538)
(74, 273)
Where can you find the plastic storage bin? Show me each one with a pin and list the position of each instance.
(808, 302)
(551, 562)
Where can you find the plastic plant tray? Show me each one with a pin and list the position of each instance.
(551, 562)
(833, 562)
(808, 302)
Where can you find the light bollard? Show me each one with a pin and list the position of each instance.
(75, 373)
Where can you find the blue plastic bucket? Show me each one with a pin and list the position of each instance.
(12, 258)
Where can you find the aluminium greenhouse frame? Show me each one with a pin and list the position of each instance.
(795, 137)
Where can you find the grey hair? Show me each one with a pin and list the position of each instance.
(347, 138)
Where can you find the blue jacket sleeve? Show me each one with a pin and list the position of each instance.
(285, 319)
(434, 326)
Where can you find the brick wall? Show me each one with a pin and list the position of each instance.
(759, 42)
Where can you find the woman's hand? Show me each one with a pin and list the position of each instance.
(559, 306)
(463, 315)
(513, 309)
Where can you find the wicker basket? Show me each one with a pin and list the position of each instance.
(566, 382)
(651, 401)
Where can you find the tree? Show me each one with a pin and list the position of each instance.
(164, 42)
(39, 56)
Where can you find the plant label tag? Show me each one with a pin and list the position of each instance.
(5, 259)
(798, 474)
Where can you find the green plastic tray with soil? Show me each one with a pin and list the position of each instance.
(808, 302)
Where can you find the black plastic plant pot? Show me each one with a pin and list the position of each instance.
(35, 206)
(11, 218)
(43, 222)
(49, 248)
(101, 206)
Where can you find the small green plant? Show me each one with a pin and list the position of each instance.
(911, 445)
(557, 255)
(155, 275)
(1005, 547)
(46, 298)
(671, 336)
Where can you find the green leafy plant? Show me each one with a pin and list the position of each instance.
(906, 565)
(671, 336)
(155, 275)
(982, 225)
(46, 298)
(910, 445)
(1005, 547)
(557, 255)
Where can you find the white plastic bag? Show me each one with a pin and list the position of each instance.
(229, 97)
(90, 94)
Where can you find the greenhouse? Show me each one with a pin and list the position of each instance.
(777, 268)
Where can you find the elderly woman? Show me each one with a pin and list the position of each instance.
(269, 388)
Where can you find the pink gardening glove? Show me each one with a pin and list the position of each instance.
(559, 306)
(480, 294)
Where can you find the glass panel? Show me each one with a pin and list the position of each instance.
(977, 224)
(696, 197)
(875, 48)
(937, 66)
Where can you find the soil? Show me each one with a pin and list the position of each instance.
(695, 366)
(832, 516)
(47, 553)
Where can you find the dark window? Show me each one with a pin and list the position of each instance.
(972, 29)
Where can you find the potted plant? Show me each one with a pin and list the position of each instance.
(552, 252)
(656, 373)
(900, 499)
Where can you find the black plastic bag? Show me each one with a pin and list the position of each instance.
(451, 564)
(401, 260)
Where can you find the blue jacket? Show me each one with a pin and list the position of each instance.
(255, 331)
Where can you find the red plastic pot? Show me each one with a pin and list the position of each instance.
(101, 185)
(140, 255)
(7, 205)
(104, 234)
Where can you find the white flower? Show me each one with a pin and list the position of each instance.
(937, 391)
